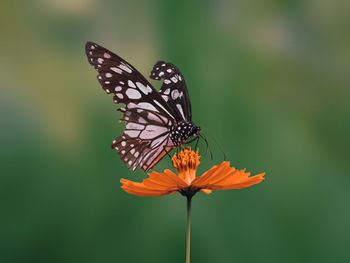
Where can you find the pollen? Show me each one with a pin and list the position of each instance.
(186, 163)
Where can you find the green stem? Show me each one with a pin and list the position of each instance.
(188, 239)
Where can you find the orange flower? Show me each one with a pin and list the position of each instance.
(219, 177)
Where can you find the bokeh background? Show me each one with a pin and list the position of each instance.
(268, 80)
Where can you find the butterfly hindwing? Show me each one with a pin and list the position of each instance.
(173, 90)
(146, 137)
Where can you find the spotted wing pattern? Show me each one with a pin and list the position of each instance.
(148, 117)
(173, 89)
(145, 139)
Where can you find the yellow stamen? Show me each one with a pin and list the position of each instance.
(186, 164)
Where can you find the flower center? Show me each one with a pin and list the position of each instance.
(186, 164)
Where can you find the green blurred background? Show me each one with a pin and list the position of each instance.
(269, 80)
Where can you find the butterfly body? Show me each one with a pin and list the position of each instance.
(180, 133)
(156, 122)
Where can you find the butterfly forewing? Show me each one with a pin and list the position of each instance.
(118, 77)
(173, 89)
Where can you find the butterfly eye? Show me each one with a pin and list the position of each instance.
(196, 130)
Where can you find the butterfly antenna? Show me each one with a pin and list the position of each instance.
(220, 147)
(208, 147)
(206, 142)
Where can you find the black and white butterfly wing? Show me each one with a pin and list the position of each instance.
(145, 140)
(173, 90)
(148, 117)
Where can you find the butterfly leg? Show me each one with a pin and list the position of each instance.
(194, 139)
(164, 148)
(197, 142)
(167, 152)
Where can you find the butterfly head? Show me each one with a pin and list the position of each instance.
(195, 130)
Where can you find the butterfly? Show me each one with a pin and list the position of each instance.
(156, 122)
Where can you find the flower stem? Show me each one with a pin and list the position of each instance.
(188, 239)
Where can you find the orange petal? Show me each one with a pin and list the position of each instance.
(214, 174)
(248, 181)
(206, 191)
(223, 177)
(166, 179)
(140, 190)
(157, 184)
